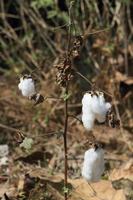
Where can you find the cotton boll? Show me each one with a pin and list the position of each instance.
(93, 165)
(108, 106)
(95, 104)
(87, 100)
(94, 107)
(100, 107)
(27, 86)
(88, 116)
(88, 120)
(102, 116)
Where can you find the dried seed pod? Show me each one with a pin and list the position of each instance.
(38, 98)
(19, 137)
(111, 119)
(27, 76)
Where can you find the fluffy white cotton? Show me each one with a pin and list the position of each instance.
(27, 86)
(93, 166)
(88, 116)
(94, 107)
(88, 120)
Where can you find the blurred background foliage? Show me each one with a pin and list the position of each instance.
(33, 33)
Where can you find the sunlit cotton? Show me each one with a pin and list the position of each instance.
(27, 87)
(93, 166)
(94, 107)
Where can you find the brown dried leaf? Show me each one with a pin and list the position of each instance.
(125, 172)
(104, 190)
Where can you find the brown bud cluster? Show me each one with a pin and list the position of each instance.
(64, 71)
(64, 68)
(78, 41)
(111, 119)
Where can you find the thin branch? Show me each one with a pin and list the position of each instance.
(91, 84)
(73, 116)
(125, 39)
(96, 32)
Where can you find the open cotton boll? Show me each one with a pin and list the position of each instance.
(95, 105)
(88, 120)
(87, 100)
(93, 166)
(27, 86)
(88, 116)
(100, 107)
(102, 116)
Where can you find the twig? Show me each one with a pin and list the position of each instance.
(91, 84)
(9, 128)
(96, 32)
(125, 39)
(73, 116)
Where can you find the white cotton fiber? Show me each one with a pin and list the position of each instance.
(88, 116)
(88, 120)
(27, 86)
(94, 107)
(93, 166)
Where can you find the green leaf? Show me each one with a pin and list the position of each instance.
(64, 16)
(46, 120)
(27, 143)
(66, 96)
(65, 190)
(51, 14)
(42, 3)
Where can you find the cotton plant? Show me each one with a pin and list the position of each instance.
(94, 107)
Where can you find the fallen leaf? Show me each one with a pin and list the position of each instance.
(125, 172)
(101, 190)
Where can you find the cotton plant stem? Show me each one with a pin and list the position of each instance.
(65, 143)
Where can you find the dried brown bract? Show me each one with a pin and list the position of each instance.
(92, 142)
(26, 76)
(64, 71)
(38, 98)
(111, 119)
(19, 137)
